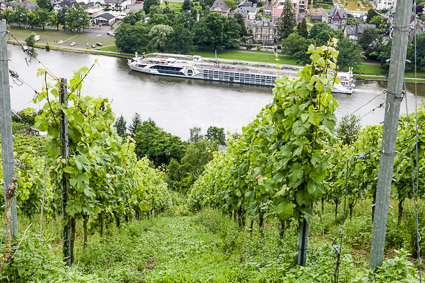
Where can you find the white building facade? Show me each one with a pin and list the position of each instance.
(383, 4)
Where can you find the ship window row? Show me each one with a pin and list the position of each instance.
(217, 74)
(166, 68)
(170, 72)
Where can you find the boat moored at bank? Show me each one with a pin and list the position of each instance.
(239, 72)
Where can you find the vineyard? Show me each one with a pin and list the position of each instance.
(292, 171)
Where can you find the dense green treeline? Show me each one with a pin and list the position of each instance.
(73, 18)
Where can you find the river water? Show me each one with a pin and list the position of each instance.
(177, 104)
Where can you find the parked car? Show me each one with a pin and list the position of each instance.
(37, 37)
(99, 44)
(111, 33)
(73, 43)
(60, 42)
(93, 46)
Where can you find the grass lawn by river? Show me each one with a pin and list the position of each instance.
(52, 37)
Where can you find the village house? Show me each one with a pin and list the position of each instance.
(337, 18)
(104, 19)
(117, 4)
(93, 10)
(248, 10)
(383, 4)
(220, 6)
(30, 6)
(353, 32)
(264, 32)
(278, 10)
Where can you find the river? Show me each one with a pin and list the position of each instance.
(177, 104)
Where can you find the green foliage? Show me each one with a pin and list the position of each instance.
(135, 122)
(19, 128)
(348, 129)
(159, 146)
(352, 21)
(287, 21)
(104, 174)
(30, 41)
(371, 42)
(187, 5)
(215, 133)
(217, 32)
(293, 43)
(397, 269)
(35, 262)
(147, 4)
(180, 177)
(120, 124)
(132, 38)
(277, 167)
(349, 52)
(159, 36)
(77, 18)
(302, 28)
(195, 135)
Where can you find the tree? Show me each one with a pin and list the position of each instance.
(293, 44)
(8, 15)
(377, 20)
(130, 38)
(135, 122)
(370, 41)
(241, 21)
(352, 21)
(348, 129)
(61, 17)
(20, 15)
(287, 21)
(215, 133)
(181, 40)
(302, 28)
(385, 54)
(120, 124)
(44, 4)
(42, 16)
(77, 18)
(159, 146)
(132, 18)
(159, 37)
(195, 135)
(147, 5)
(370, 14)
(350, 54)
(159, 19)
(30, 41)
(180, 177)
(187, 5)
(216, 32)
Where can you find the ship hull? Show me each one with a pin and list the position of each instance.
(219, 73)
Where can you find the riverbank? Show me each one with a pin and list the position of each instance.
(84, 43)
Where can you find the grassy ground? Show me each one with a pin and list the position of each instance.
(370, 70)
(210, 247)
(53, 37)
(173, 5)
(352, 5)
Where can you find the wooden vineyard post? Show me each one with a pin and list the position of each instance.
(63, 99)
